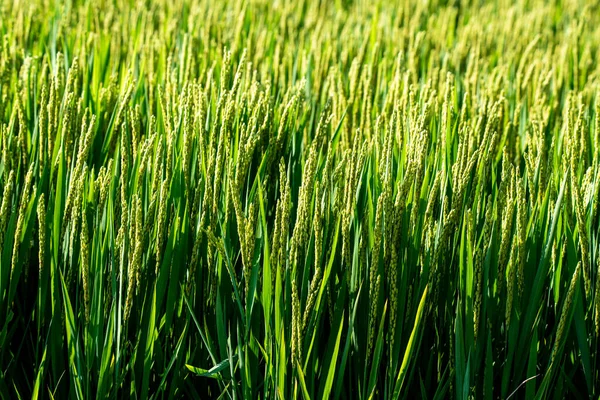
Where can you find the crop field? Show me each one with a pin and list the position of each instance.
(298, 199)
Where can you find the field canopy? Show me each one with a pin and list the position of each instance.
(299, 199)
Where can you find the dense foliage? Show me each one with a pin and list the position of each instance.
(299, 199)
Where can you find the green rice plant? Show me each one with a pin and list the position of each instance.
(305, 199)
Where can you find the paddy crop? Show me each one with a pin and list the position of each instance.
(299, 199)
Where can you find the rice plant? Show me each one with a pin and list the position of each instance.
(299, 199)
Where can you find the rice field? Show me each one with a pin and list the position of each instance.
(253, 199)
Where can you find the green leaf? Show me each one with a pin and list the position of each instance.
(212, 372)
(411, 346)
